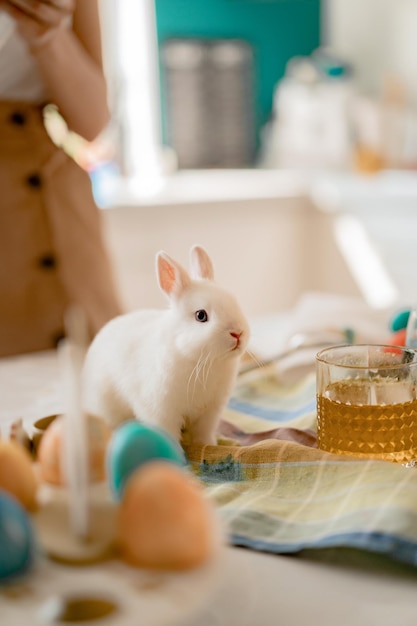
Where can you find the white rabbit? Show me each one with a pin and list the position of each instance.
(175, 367)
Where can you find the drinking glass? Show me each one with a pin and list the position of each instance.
(367, 401)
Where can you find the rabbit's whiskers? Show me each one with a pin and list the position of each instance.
(201, 368)
(208, 362)
(255, 359)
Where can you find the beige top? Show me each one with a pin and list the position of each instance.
(19, 76)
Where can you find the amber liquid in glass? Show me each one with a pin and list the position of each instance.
(373, 419)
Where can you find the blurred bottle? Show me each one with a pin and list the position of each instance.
(230, 76)
(186, 103)
(384, 129)
(368, 135)
(311, 110)
(393, 121)
(209, 95)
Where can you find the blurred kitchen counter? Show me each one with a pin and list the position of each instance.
(273, 234)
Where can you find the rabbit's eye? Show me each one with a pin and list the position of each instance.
(201, 316)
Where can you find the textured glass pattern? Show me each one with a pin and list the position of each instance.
(386, 432)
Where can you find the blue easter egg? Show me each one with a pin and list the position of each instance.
(133, 444)
(16, 538)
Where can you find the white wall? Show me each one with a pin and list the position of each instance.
(378, 36)
(266, 251)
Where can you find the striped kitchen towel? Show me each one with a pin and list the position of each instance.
(278, 493)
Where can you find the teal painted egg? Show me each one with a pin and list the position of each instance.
(16, 538)
(134, 444)
(399, 320)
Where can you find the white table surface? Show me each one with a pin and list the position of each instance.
(240, 587)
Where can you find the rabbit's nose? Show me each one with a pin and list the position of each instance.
(236, 335)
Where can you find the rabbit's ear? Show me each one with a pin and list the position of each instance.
(200, 262)
(172, 277)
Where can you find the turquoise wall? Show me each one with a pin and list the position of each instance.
(277, 30)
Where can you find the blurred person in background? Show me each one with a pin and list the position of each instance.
(52, 254)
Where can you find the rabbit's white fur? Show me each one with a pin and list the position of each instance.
(165, 367)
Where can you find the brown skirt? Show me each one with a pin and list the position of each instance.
(51, 245)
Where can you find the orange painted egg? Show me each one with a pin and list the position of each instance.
(398, 338)
(50, 450)
(164, 519)
(17, 475)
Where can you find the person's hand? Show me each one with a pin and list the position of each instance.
(38, 20)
